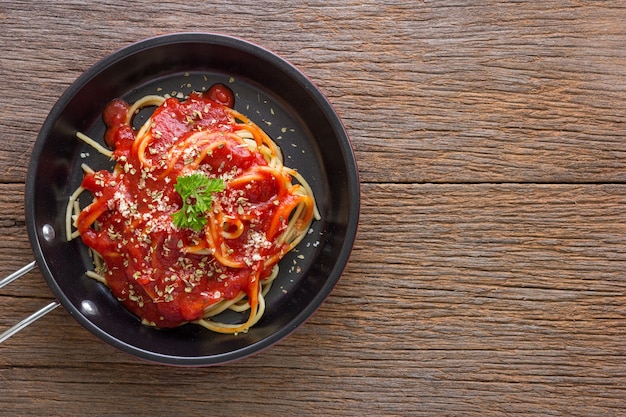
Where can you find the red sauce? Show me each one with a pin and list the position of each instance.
(146, 268)
(221, 94)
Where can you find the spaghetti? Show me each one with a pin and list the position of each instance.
(169, 274)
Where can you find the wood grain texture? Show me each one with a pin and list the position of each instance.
(487, 278)
(465, 312)
(424, 84)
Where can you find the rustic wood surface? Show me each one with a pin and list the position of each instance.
(488, 276)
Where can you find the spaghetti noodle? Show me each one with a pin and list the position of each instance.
(169, 274)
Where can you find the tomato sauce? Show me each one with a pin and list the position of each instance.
(168, 275)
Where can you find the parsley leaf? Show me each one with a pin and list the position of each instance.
(196, 191)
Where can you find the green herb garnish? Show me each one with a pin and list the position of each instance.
(196, 191)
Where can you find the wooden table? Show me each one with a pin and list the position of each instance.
(488, 276)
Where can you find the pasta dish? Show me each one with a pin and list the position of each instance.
(195, 215)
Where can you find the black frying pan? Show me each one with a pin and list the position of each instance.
(273, 94)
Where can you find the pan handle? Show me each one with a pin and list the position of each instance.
(33, 317)
(9, 279)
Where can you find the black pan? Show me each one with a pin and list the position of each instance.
(275, 95)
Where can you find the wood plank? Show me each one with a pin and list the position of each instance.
(463, 299)
(452, 92)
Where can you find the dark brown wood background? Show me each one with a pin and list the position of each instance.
(488, 274)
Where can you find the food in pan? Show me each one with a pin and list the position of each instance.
(196, 214)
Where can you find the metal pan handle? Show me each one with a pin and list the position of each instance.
(33, 317)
